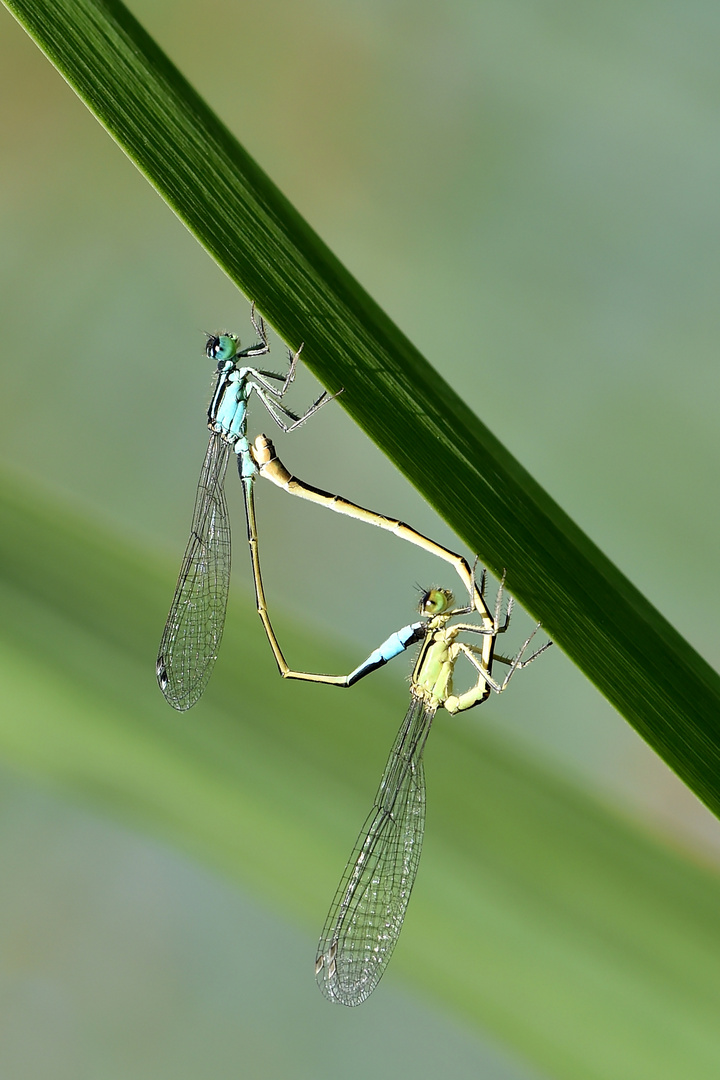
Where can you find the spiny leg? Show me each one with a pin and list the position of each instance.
(475, 590)
(280, 413)
(259, 328)
(290, 377)
(498, 607)
(263, 347)
(286, 379)
(517, 662)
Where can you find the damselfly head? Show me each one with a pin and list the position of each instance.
(221, 347)
(435, 602)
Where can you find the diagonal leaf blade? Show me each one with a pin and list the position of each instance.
(620, 641)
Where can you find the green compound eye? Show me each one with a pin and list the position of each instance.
(221, 346)
(435, 601)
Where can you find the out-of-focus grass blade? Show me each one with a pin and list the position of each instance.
(537, 913)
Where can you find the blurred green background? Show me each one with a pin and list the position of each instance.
(531, 192)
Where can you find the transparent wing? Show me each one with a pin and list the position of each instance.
(194, 627)
(366, 916)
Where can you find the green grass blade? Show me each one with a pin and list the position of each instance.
(620, 641)
(536, 914)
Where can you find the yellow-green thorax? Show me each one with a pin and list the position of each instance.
(432, 677)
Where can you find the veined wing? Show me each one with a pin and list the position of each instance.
(366, 916)
(194, 627)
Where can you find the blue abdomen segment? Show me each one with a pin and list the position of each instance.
(395, 644)
(246, 465)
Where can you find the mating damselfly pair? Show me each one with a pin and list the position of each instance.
(367, 913)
